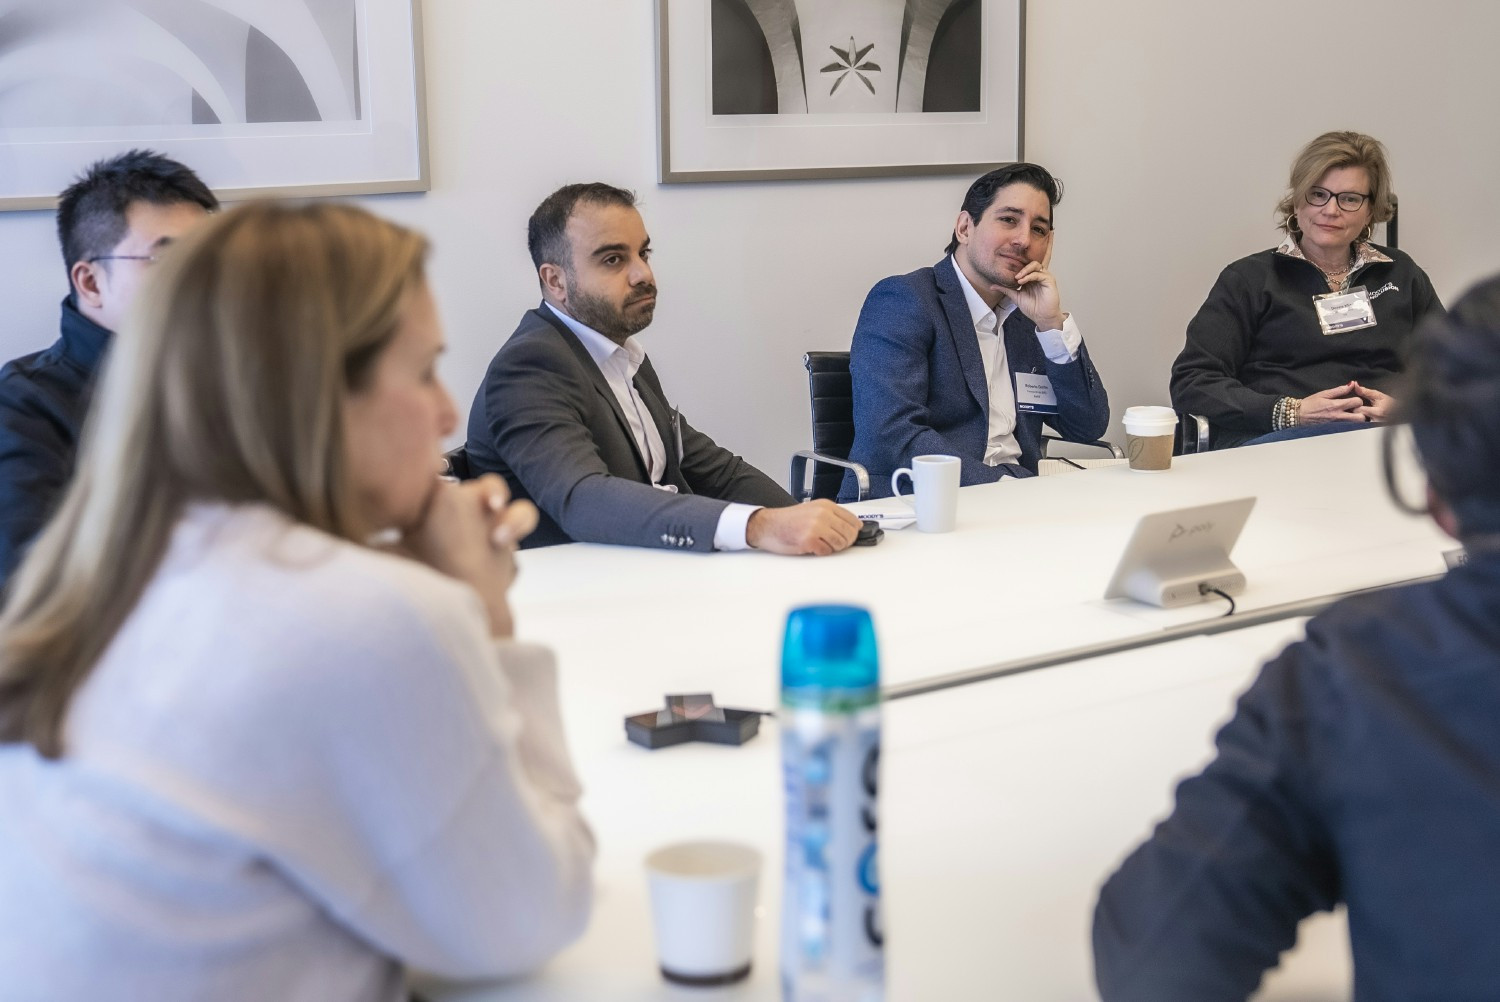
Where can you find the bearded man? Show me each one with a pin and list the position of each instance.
(572, 414)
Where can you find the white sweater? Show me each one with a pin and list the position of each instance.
(300, 765)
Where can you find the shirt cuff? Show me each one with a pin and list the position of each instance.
(1061, 347)
(730, 535)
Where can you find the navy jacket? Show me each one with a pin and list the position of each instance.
(43, 399)
(547, 421)
(919, 387)
(1363, 766)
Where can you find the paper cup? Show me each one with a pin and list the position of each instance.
(1148, 437)
(703, 910)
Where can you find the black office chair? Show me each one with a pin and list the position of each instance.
(832, 398)
(1194, 433)
(829, 386)
(456, 465)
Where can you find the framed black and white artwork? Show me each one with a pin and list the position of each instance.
(775, 89)
(284, 97)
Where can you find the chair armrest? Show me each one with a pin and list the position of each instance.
(456, 465)
(1194, 434)
(1110, 447)
(797, 480)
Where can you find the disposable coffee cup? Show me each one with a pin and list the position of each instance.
(703, 910)
(1148, 437)
(934, 481)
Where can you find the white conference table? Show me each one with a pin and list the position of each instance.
(1004, 804)
(1005, 801)
(1022, 575)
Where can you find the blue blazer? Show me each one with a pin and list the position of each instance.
(919, 386)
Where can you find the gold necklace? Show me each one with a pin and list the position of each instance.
(1333, 278)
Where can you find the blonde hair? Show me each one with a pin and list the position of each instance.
(1331, 151)
(227, 383)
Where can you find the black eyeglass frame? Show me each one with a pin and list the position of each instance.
(150, 258)
(1337, 196)
(1388, 467)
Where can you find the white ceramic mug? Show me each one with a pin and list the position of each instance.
(703, 910)
(934, 482)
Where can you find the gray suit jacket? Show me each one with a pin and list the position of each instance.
(546, 420)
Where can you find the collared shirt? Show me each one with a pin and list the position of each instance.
(1060, 347)
(619, 363)
(1364, 253)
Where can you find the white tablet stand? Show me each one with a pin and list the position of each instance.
(1180, 557)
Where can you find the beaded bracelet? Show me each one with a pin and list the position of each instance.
(1286, 413)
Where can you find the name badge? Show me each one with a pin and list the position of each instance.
(1034, 393)
(1339, 312)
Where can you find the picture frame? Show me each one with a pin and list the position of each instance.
(291, 99)
(755, 90)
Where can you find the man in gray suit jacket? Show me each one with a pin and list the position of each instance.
(572, 414)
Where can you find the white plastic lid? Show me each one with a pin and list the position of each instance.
(1150, 420)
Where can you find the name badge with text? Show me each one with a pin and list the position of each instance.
(1339, 312)
(1034, 393)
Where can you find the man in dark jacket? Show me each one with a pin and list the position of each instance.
(572, 414)
(1362, 766)
(113, 223)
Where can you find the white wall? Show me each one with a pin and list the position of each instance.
(1172, 123)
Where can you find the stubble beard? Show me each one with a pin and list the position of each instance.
(608, 319)
(992, 274)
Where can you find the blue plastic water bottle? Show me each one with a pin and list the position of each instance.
(832, 939)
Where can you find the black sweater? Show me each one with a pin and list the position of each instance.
(1256, 339)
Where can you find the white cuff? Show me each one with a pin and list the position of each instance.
(730, 535)
(1061, 347)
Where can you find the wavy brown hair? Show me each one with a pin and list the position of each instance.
(227, 383)
(1331, 151)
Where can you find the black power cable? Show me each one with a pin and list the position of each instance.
(1204, 589)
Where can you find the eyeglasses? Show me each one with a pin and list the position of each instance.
(1405, 479)
(148, 258)
(1349, 201)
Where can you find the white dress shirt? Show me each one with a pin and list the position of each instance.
(1060, 347)
(299, 766)
(619, 363)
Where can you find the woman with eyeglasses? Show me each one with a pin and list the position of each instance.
(1306, 338)
(263, 730)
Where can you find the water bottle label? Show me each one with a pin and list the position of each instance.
(832, 933)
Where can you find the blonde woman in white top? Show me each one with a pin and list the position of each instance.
(243, 753)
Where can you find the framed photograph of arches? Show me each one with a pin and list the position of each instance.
(753, 90)
(293, 97)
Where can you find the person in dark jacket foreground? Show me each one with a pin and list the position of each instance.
(1362, 766)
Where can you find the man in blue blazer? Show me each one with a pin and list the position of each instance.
(969, 357)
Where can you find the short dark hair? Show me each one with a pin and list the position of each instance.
(981, 194)
(1450, 397)
(91, 212)
(546, 231)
